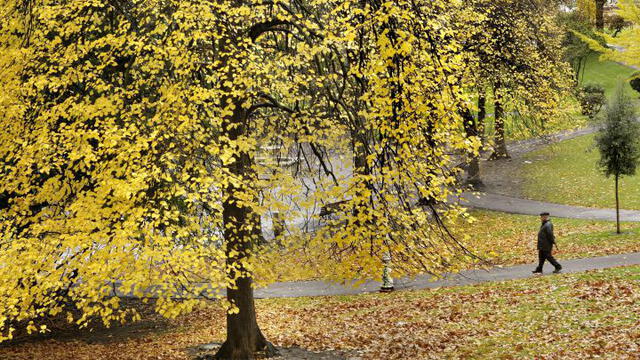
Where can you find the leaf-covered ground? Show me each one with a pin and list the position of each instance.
(573, 316)
(567, 173)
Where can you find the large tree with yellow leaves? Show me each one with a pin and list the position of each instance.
(626, 46)
(515, 52)
(131, 133)
(145, 144)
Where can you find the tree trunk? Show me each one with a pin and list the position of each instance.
(359, 138)
(244, 338)
(600, 14)
(617, 206)
(473, 167)
(242, 231)
(482, 115)
(500, 149)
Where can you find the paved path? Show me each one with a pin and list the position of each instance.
(478, 200)
(321, 288)
(514, 205)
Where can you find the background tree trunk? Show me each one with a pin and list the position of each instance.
(617, 206)
(482, 115)
(500, 149)
(600, 14)
(473, 167)
(244, 337)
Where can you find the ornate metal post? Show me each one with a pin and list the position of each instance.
(387, 280)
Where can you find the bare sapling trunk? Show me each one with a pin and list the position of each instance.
(242, 232)
(617, 206)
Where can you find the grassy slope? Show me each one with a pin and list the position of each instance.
(566, 173)
(572, 316)
(607, 74)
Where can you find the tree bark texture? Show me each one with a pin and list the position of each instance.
(244, 338)
(600, 14)
(473, 167)
(500, 149)
(482, 115)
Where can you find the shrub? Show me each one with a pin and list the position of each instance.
(592, 99)
(635, 82)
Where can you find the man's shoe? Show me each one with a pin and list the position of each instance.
(537, 271)
(557, 271)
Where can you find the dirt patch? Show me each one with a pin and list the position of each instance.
(206, 352)
(502, 177)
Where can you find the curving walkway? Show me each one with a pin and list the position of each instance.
(323, 288)
(293, 289)
(513, 205)
(496, 202)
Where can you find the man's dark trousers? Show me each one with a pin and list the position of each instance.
(546, 255)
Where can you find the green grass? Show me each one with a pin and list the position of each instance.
(567, 173)
(508, 239)
(607, 74)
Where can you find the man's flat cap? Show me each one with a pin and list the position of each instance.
(544, 214)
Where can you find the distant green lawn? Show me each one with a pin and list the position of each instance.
(567, 173)
(607, 74)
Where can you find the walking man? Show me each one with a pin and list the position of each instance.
(546, 240)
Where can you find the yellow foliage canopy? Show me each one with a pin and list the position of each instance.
(143, 143)
(626, 46)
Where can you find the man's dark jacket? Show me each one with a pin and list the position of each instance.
(546, 239)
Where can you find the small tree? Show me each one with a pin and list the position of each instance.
(618, 142)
